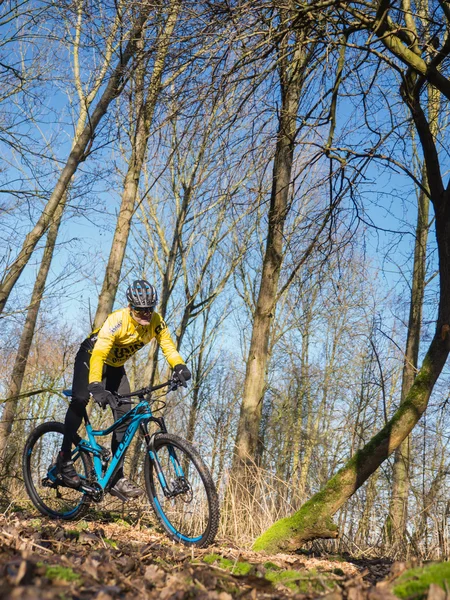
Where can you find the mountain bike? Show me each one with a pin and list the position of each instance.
(178, 484)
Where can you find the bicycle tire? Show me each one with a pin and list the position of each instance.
(40, 452)
(196, 525)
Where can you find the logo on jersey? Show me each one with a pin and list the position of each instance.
(124, 352)
(160, 327)
(116, 328)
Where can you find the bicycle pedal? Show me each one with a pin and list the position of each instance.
(119, 495)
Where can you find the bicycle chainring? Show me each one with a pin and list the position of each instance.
(94, 490)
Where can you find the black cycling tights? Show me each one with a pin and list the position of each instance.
(114, 380)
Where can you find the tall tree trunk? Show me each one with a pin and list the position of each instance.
(26, 338)
(199, 373)
(291, 73)
(304, 408)
(144, 116)
(77, 155)
(365, 529)
(429, 499)
(400, 479)
(398, 511)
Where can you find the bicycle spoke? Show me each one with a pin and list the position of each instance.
(182, 497)
(40, 474)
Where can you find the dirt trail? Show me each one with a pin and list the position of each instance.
(41, 559)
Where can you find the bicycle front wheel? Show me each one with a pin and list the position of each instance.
(181, 491)
(39, 472)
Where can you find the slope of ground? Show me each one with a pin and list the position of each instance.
(108, 559)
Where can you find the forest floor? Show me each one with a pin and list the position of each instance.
(109, 558)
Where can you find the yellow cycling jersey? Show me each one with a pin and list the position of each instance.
(121, 336)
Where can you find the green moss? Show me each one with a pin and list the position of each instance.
(336, 558)
(61, 573)
(160, 561)
(121, 518)
(236, 568)
(297, 581)
(308, 518)
(120, 521)
(304, 582)
(231, 589)
(414, 583)
(36, 524)
(82, 525)
(211, 558)
(111, 543)
(339, 572)
(291, 579)
(73, 533)
(279, 531)
(270, 566)
(9, 506)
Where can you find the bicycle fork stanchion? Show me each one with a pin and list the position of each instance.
(169, 492)
(150, 442)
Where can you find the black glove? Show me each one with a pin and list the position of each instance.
(182, 374)
(102, 396)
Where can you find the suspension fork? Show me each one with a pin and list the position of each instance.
(150, 442)
(149, 439)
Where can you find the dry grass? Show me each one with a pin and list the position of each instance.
(252, 503)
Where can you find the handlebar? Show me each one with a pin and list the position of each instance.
(148, 390)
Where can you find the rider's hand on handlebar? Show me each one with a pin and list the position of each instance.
(181, 374)
(102, 396)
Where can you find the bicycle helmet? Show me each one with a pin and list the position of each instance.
(142, 294)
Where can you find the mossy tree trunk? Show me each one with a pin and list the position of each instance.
(200, 370)
(314, 519)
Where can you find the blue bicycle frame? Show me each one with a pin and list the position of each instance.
(139, 417)
(184, 499)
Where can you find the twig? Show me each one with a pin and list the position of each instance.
(29, 542)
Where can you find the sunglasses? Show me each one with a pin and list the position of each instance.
(143, 311)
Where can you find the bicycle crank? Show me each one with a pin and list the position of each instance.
(94, 491)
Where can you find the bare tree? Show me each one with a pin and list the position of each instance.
(18, 372)
(144, 108)
(294, 53)
(82, 146)
(398, 512)
(418, 65)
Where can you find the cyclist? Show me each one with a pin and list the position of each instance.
(99, 371)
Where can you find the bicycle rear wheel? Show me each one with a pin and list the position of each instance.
(189, 510)
(39, 472)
